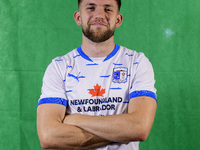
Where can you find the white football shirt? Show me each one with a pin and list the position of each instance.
(99, 86)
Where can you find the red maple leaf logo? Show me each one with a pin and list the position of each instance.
(97, 91)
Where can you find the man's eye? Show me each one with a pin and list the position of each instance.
(90, 8)
(108, 10)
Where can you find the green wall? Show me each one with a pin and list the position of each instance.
(33, 32)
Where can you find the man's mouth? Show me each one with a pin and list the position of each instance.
(98, 24)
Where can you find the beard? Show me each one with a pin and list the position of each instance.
(98, 36)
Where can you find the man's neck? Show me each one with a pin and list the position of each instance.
(95, 50)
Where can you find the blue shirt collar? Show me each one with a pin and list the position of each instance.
(107, 58)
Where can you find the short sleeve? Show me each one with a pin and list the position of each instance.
(53, 90)
(142, 81)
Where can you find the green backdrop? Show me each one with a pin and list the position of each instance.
(33, 32)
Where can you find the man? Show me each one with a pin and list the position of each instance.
(101, 95)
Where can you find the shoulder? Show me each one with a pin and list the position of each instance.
(65, 59)
(61, 63)
(132, 53)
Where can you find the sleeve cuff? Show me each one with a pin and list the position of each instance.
(53, 100)
(143, 93)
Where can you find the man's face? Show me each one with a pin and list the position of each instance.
(98, 19)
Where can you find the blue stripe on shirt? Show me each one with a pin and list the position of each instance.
(143, 93)
(53, 100)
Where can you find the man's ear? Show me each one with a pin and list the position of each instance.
(119, 20)
(77, 18)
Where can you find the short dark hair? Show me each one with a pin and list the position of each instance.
(118, 3)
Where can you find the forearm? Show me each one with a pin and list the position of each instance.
(133, 126)
(117, 128)
(54, 134)
(62, 136)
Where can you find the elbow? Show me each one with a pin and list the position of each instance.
(46, 141)
(144, 133)
(143, 137)
(44, 145)
(139, 135)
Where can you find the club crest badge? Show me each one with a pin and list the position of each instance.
(120, 75)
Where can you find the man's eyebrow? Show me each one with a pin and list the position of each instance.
(108, 5)
(93, 4)
(90, 4)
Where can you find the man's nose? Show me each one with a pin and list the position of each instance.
(99, 13)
